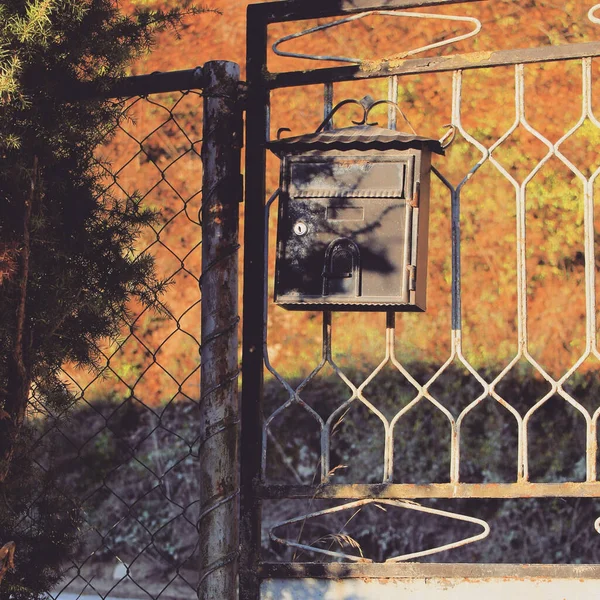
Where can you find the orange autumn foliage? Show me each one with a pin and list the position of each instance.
(555, 284)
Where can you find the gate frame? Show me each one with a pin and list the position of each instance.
(260, 84)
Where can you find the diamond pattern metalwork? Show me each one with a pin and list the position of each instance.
(490, 386)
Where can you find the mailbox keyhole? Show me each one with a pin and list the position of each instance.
(341, 275)
(300, 227)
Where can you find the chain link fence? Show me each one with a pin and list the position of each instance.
(126, 453)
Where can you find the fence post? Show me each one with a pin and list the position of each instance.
(218, 525)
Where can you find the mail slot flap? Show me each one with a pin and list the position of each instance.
(352, 177)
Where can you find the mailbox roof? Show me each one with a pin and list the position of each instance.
(360, 137)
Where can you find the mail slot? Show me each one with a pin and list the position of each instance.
(353, 220)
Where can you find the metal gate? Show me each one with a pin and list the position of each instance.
(335, 564)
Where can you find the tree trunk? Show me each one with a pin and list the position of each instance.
(16, 394)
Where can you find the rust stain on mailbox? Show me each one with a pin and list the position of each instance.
(353, 220)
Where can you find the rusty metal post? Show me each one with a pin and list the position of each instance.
(218, 525)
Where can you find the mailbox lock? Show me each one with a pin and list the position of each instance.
(300, 227)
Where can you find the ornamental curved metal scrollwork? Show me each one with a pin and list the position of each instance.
(390, 13)
(592, 14)
(405, 504)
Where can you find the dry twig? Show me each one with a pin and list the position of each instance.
(7, 559)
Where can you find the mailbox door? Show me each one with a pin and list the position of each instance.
(345, 230)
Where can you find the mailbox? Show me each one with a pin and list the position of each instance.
(353, 220)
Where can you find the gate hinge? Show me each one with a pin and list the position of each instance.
(412, 278)
(414, 201)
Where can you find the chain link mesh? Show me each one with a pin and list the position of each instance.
(127, 448)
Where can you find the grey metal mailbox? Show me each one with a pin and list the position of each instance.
(353, 220)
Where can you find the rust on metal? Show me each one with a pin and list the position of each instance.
(581, 489)
(427, 570)
(398, 61)
(258, 487)
(414, 66)
(218, 525)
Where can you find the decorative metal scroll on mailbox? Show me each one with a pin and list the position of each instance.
(353, 218)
